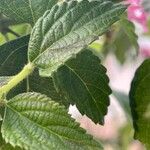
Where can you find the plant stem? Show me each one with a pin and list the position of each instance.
(27, 70)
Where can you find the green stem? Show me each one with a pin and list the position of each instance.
(27, 70)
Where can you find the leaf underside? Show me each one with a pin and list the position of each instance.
(32, 121)
(83, 81)
(140, 103)
(67, 28)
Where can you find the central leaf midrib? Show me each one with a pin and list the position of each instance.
(65, 48)
(60, 137)
(102, 75)
(85, 87)
(50, 47)
(70, 10)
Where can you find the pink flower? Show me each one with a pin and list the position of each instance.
(134, 2)
(144, 47)
(145, 52)
(136, 13)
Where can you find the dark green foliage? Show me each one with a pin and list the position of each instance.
(140, 103)
(83, 81)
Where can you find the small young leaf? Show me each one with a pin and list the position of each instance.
(32, 121)
(123, 49)
(83, 81)
(129, 30)
(130, 43)
(25, 11)
(140, 103)
(68, 27)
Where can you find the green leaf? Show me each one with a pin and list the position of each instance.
(129, 30)
(122, 48)
(140, 103)
(83, 81)
(12, 60)
(4, 80)
(32, 121)
(1, 114)
(45, 86)
(13, 56)
(3, 145)
(67, 28)
(25, 11)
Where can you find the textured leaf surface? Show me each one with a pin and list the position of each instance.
(67, 28)
(25, 11)
(3, 145)
(32, 121)
(140, 103)
(13, 57)
(83, 81)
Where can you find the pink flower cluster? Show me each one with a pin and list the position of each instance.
(136, 13)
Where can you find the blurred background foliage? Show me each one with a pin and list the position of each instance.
(9, 30)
